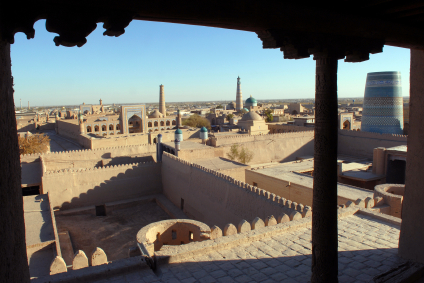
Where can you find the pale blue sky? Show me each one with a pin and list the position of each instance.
(193, 63)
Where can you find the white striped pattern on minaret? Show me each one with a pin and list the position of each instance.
(239, 98)
(162, 108)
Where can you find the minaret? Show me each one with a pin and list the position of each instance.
(162, 108)
(239, 98)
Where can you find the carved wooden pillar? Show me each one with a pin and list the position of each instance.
(324, 216)
(13, 265)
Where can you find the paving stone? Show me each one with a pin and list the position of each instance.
(279, 276)
(226, 279)
(243, 278)
(293, 273)
(258, 277)
(235, 272)
(218, 273)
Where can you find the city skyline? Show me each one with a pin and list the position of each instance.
(193, 63)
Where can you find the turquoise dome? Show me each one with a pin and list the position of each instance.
(251, 102)
(178, 131)
(246, 109)
(204, 130)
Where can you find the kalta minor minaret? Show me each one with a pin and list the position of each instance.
(239, 98)
(162, 108)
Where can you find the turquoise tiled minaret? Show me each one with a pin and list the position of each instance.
(383, 103)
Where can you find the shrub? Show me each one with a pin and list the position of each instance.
(197, 121)
(37, 143)
(241, 154)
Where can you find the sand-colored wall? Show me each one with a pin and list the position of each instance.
(284, 128)
(277, 147)
(363, 143)
(214, 198)
(293, 192)
(90, 142)
(90, 158)
(69, 128)
(75, 188)
(119, 140)
(285, 189)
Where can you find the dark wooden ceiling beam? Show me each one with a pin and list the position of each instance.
(74, 20)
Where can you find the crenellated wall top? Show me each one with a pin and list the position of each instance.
(105, 168)
(277, 200)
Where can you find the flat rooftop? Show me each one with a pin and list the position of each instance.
(290, 172)
(219, 163)
(38, 220)
(187, 145)
(115, 232)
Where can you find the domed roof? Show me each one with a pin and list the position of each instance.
(156, 114)
(246, 109)
(178, 132)
(251, 100)
(251, 116)
(204, 130)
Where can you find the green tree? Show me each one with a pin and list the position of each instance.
(240, 154)
(37, 143)
(234, 152)
(268, 114)
(245, 155)
(229, 117)
(219, 107)
(197, 121)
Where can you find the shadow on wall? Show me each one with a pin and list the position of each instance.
(127, 160)
(121, 187)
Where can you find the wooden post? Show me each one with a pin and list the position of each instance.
(14, 264)
(324, 213)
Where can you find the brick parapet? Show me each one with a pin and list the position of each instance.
(105, 168)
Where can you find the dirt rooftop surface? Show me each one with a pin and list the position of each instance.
(114, 233)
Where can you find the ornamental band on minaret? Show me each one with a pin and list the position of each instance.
(383, 103)
(239, 99)
(162, 108)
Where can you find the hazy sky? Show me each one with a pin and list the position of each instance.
(193, 63)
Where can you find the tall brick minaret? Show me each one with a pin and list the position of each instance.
(162, 108)
(239, 98)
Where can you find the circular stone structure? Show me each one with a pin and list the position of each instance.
(172, 232)
(383, 103)
(392, 195)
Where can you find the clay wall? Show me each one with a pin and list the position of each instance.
(293, 192)
(69, 128)
(275, 147)
(284, 128)
(215, 198)
(90, 158)
(91, 142)
(93, 186)
(363, 143)
(119, 140)
(285, 189)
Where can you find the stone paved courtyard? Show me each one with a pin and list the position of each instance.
(367, 247)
